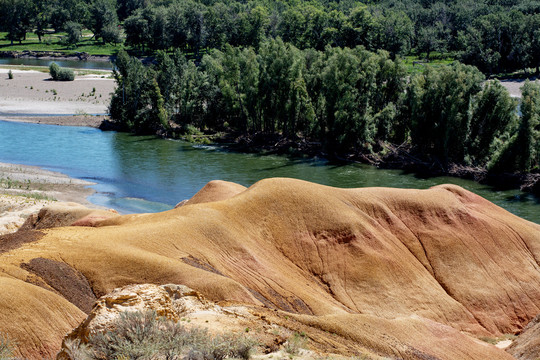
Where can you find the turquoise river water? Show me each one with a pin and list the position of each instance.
(147, 174)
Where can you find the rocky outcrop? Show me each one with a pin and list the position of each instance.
(412, 274)
(527, 345)
(182, 305)
(66, 214)
(171, 301)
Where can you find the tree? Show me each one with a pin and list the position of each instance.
(348, 82)
(159, 30)
(493, 112)
(137, 104)
(432, 38)
(534, 35)
(41, 17)
(62, 11)
(127, 7)
(74, 33)
(440, 116)
(359, 28)
(275, 61)
(521, 151)
(393, 32)
(137, 30)
(17, 18)
(195, 26)
(253, 26)
(237, 73)
(102, 19)
(111, 34)
(221, 27)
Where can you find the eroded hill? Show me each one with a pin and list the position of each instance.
(403, 273)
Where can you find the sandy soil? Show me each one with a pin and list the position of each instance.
(26, 189)
(33, 96)
(514, 86)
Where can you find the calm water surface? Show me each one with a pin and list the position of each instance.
(99, 65)
(146, 174)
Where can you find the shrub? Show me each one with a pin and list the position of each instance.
(144, 334)
(5, 348)
(295, 343)
(61, 74)
(10, 75)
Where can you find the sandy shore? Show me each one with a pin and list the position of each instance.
(26, 189)
(32, 96)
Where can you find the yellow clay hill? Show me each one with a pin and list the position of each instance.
(413, 274)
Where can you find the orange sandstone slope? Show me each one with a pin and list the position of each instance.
(406, 273)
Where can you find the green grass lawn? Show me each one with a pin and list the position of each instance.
(417, 63)
(52, 42)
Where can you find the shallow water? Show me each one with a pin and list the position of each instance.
(147, 174)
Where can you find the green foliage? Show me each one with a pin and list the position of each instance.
(521, 151)
(16, 18)
(61, 74)
(10, 75)
(74, 33)
(493, 112)
(143, 334)
(349, 100)
(103, 21)
(440, 101)
(137, 103)
(495, 36)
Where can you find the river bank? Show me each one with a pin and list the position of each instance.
(388, 156)
(24, 190)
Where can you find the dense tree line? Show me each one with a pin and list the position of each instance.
(494, 35)
(349, 100)
(18, 17)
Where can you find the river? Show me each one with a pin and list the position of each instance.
(75, 64)
(147, 174)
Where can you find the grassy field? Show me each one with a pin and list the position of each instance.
(53, 42)
(417, 63)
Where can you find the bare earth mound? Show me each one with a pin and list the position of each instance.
(414, 274)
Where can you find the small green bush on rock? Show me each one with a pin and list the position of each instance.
(61, 74)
